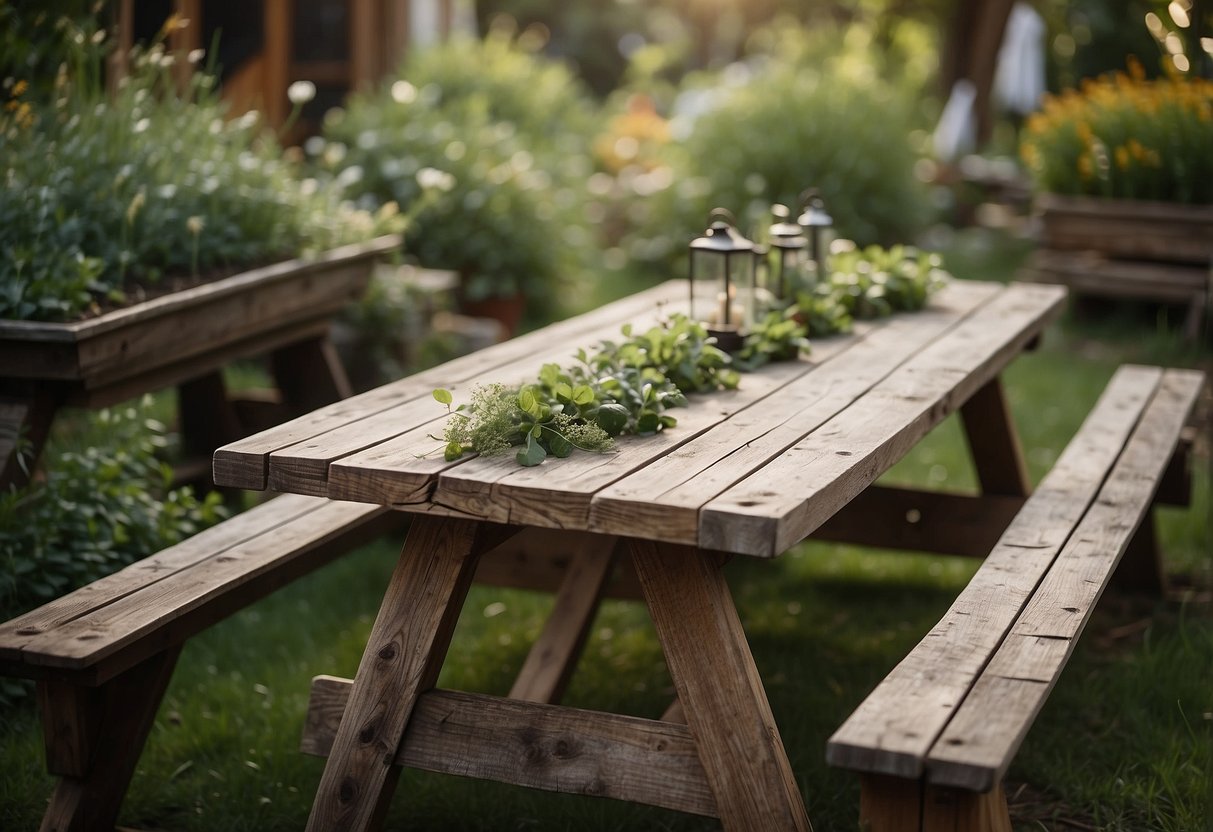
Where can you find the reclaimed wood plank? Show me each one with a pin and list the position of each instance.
(409, 429)
(896, 725)
(249, 568)
(17, 633)
(552, 658)
(719, 687)
(662, 500)
(539, 746)
(777, 506)
(404, 653)
(977, 745)
(243, 464)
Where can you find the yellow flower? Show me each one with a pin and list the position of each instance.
(1085, 168)
(20, 87)
(1122, 157)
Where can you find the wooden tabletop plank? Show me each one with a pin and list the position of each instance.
(979, 743)
(558, 493)
(663, 499)
(780, 504)
(894, 728)
(244, 464)
(303, 468)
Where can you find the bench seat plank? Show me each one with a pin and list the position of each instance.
(894, 728)
(980, 741)
(110, 625)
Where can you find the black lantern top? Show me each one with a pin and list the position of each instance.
(815, 215)
(722, 236)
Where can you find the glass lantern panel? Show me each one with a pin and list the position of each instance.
(707, 282)
(742, 302)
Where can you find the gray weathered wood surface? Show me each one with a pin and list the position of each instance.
(750, 471)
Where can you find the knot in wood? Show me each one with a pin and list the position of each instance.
(348, 790)
(388, 652)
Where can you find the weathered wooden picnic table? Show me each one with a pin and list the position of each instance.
(794, 451)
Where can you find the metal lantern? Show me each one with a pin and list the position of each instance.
(722, 280)
(789, 247)
(819, 228)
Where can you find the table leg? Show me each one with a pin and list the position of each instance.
(719, 687)
(994, 443)
(403, 655)
(550, 663)
(310, 375)
(26, 414)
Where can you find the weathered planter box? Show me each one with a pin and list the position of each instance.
(179, 336)
(1128, 229)
(1156, 251)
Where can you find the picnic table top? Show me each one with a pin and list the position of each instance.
(749, 471)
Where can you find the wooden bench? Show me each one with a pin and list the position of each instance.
(103, 655)
(935, 738)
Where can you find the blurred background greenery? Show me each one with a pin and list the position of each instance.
(569, 152)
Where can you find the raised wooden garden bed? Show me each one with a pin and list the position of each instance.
(283, 310)
(1158, 251)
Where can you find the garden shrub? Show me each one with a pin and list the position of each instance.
(1124, 136)
(511, 129)
(811, 112)
(101, 192)
(98, 509)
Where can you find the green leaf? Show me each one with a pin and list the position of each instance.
(583, 394)
(612, 418)
(453, 451)
(649, 422)
(563, 391)
(558, 444)
(527, 401)
(532, 454)
(443, 396)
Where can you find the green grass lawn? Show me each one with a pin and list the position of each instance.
(1123, 744)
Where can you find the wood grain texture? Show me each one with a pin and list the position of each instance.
(404, 653)
(243, 464)
(399, 443)
(719, 687)
(138, 616)
(960, 810)
(538, 746)
(552, 658)
(663, 499)
(890, 804)
(70, 716)
(892, 731)
(981, 739)
(780, 504)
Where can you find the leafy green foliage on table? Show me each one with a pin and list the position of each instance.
(99, 509)
(627, 387)
(102, 193)
(623, 387)
(864, 283)
(512, 129)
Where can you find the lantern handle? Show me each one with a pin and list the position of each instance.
(811, 196)
(722, 214)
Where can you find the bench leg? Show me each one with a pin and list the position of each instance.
(895, 804)
(549, 665)
(94, 737)
(26, 413)
(310, 375)
(1140, 569)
